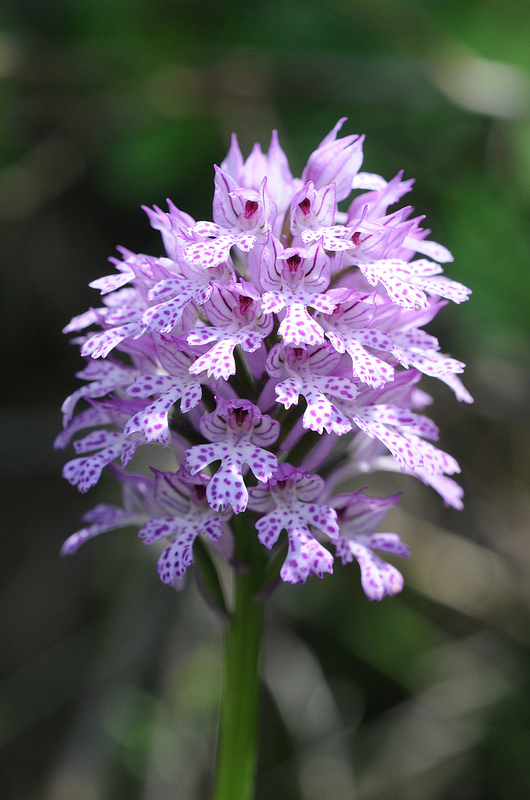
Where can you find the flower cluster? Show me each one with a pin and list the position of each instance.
(275, 351)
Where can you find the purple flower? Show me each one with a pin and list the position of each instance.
(236, 318)
(288, 500)
(241, 216)
(295, 279)
(172, 506)
(274, 166)
(238, 433)
(350, 330)
(105, 377)
(177, 384)
(358, 516)
(190, 515)
(311, 374)
(282, 340)
(182, 283)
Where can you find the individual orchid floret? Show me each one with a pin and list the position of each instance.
(241, 217)
(175, 228)
(372, 240)
(241, 210)
(136, 268)
(86, 472)
(104, 377)
(172, 506)
(350, 330)
(239, 432)
(193, 284)
(274, 166)
(178, 384)
(313, 216)
(369, 230)
(289, 500)
(294, 279)
(236, 318)
(190, 515)
(122, 322)
(335, 161)
(419, 349)
(381, 249)
(385, 414)
(358, 516)
(311, 374)
(408, 284)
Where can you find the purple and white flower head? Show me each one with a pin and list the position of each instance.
(280, 341)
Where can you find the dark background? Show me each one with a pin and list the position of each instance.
(108, 681)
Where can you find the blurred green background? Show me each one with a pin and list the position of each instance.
(108, 682)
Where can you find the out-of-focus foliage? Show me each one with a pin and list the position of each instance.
(110, 682)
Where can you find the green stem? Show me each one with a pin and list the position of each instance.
(238, 726)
